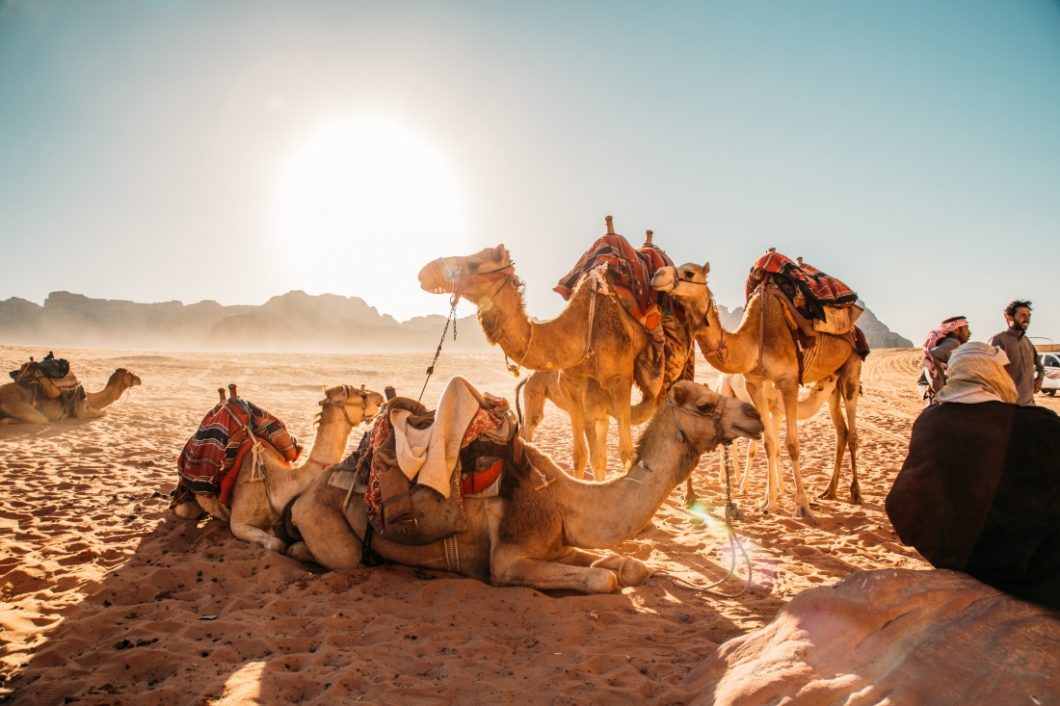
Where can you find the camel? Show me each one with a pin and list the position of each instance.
(810, 402)
(544, 527)
(540, 386)
(593, 338)
(258, 501)
(763, 349)
(19, 404)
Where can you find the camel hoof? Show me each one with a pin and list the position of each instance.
(275, 544)
(804, 514)
(829, 494)
(633, 572)
(855, 498)
(188, 510)
(771, 509)
(300, 551)
(605, 581)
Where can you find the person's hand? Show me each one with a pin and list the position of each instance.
(1038, 384)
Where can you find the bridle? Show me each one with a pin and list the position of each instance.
(352, 394)
(714, 415)
(505, 274)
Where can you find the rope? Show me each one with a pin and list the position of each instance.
(452, 319)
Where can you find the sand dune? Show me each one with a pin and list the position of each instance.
(107, 598)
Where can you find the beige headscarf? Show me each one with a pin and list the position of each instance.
(976, 373)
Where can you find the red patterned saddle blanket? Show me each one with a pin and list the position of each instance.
(223, 439)
(795, 277)
(630, 271)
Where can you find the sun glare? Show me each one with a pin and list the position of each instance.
(360, 205)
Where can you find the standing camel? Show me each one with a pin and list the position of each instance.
(258, 500)
(20, 404)
(763, 348)
(540, 530)
(593, 338)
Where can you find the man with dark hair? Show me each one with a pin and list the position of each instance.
(1025, 365)
(938, 346)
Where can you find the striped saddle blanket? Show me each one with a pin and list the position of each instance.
(630, 270)
(818, 289)
(223, 439)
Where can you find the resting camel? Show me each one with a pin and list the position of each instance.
(810, 402)
(257, 503)
(762, 348)
(593, 338)
(19, 404)
(541, 530)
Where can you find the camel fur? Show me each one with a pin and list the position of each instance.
(20, 405)
(258, 499)
(763, 349)
(604, 351)
(544, 533)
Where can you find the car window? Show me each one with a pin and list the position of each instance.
(1051, 360)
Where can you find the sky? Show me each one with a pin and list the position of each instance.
(233, 151)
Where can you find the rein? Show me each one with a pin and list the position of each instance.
(438, 351)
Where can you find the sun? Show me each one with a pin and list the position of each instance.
(360, 204)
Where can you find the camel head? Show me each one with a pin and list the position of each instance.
(467, 276)
(706, 418)
(686, 283)
(124, 379)
(355, 403)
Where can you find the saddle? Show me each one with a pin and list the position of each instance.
(52, 378)
(410, 508)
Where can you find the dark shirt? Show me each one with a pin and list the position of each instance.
(979, 492)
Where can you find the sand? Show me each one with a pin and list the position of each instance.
(105, 597)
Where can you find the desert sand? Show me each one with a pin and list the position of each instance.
(106, 597)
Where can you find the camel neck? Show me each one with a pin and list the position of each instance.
(329, 442)
(556, 344)
(730, 351)
(631, 500)
(106, 396)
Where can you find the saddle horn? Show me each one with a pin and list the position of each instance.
(221, 394)
(647, 236)
(232, 391)
(610, 225)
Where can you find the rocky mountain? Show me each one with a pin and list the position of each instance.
(295, 321)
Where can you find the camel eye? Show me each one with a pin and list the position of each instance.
(705, 407)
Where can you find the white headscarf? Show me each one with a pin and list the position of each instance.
(976, 373)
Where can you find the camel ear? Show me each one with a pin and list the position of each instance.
(499, 253)
(706, 268)
(679, 394)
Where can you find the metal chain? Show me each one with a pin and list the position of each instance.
(452, 319)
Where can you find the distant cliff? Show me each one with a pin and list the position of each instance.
(295, 321)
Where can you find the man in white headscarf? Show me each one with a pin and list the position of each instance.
(979, 491)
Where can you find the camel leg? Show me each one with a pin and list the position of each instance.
(25, 413)
(850, 392)
(690, 493)
(620, 388)
(575, 391)
(598, 447)
(749, 458)
(840, 444)
(326, 534)
(509, 566)
(249, 533)
(789, 391)
(188, 510)
(630, 571)
(757, 393)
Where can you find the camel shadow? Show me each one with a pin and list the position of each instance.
(192, 615)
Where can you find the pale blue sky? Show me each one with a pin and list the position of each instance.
(235, 150)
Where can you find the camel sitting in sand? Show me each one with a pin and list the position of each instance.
(593, 338)
(540, 530)
(258, 502)
(20, 404)
(811, 399)
(763, 349)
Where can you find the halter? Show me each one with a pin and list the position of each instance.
(351, 394)
(715, 415)
(506, 274)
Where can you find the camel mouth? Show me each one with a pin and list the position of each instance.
(664, 280)
(434, 277)
(753, 434)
